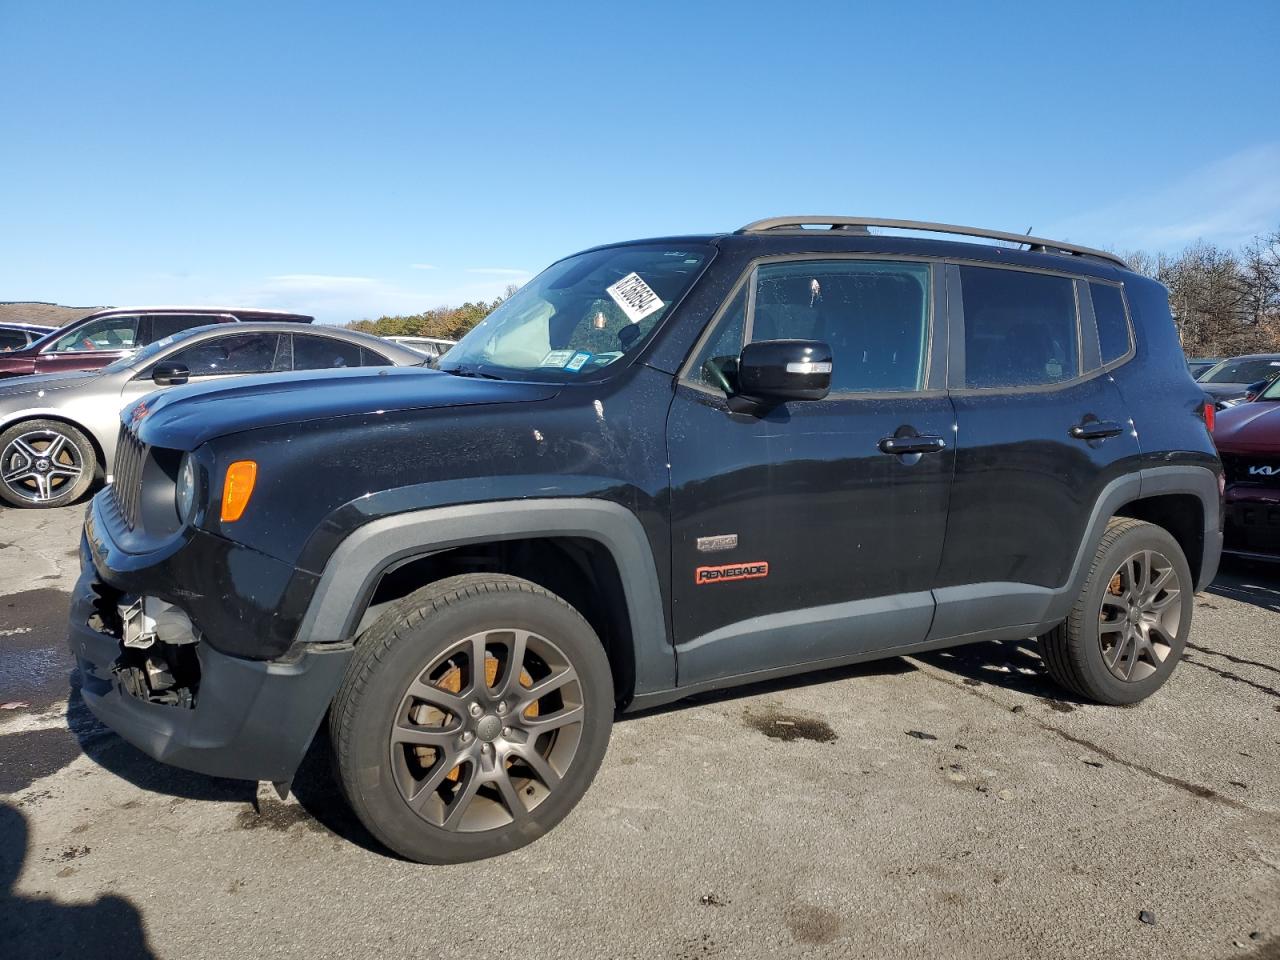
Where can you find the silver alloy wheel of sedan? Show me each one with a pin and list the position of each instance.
(1140, 615)
(39, 465)
(485, 734)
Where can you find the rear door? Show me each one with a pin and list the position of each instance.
(1041, 431)
(796, 538)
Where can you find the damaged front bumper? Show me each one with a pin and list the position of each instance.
(188, 704)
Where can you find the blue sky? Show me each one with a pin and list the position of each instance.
(354, 159)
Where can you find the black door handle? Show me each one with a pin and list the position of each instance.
(1096, 430)
(904, 445)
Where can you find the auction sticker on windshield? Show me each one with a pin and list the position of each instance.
(635, 297)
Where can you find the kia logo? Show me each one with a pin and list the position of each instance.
(1264, 471)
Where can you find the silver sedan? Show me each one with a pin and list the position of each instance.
(58, 431)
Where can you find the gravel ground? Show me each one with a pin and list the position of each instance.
(953, 805)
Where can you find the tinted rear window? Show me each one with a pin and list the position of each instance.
(323, 353)
(1113, 325)
(1019, 328)
(167, 324)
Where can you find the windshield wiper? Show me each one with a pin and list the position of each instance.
(472, 372)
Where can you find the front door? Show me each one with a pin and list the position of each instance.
(798, 535)
(92, 345)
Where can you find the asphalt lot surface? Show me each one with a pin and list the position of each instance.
(947, 806)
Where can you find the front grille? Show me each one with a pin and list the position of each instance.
(1253, 527)
(126, 482)
(1246, 468)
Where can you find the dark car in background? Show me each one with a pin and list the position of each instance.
(1231, 379)
(1248, 439)
(19, 336)
(107, 335)
(1198, 366)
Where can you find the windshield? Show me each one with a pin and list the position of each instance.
(579, 315)
(1243, 370)
(150, 350)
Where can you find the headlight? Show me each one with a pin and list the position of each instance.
(185, 494)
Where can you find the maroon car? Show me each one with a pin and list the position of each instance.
(107, 335)
(1248, 439)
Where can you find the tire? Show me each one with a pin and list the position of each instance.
(1104, 654)
(29, 478)
(539, 733)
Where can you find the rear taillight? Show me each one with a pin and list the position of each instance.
(1208, 412)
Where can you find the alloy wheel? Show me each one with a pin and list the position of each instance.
(486, 733)
(40, 465)
(1140, 615)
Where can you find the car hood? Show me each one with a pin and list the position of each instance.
(45, 383)
(185, 417)
(1249, 428)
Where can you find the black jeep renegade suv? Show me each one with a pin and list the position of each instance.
(661, 467)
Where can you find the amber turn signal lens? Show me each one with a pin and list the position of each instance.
(237, 489)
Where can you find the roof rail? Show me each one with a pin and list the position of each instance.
(860, 225)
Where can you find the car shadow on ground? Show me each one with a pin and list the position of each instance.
(36, 927)
(1009, 664)
(319, 799)
(874, 668)
(1248, 581)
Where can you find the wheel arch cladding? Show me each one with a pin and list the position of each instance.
(577, 531)
(578, 570)
(1156, 494)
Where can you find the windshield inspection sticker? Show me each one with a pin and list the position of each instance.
(635, 297)
(556, 358)
(578, 362)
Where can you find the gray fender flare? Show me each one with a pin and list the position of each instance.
(354, 568)
(1200, 482)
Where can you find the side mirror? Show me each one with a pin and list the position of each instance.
(775, 371)
(170, 374)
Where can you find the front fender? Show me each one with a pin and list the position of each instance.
(354, 568)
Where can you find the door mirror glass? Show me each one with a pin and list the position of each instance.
(781, 370)
(167, 374)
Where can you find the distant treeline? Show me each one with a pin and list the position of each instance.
(1225, 302)
(447, 322)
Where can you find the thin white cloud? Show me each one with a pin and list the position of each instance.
(422, 266)
(1228, 202)
(500, 271)
(321, 281)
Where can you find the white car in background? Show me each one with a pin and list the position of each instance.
(433, 347)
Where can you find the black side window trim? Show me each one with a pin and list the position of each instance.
(937, 359)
